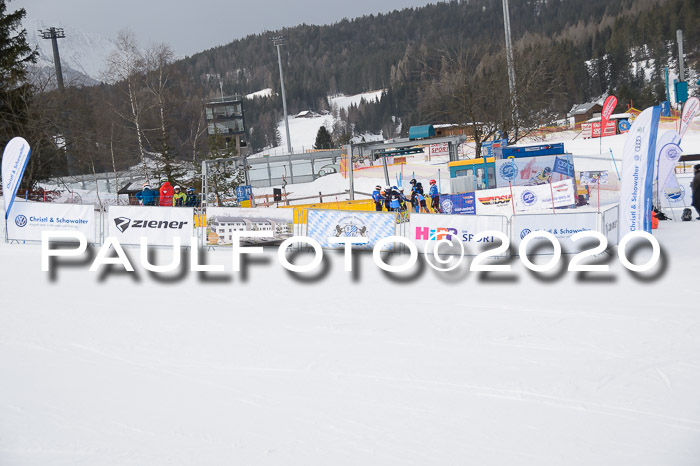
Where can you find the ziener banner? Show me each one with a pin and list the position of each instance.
(159, 224)
(29, 219)
(14, 161)
(426, 228)
(636, 185)
(324, 224)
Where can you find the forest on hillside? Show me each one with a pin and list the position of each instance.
(442, 63)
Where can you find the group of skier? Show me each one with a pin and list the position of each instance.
(394, 199)
(167, 195)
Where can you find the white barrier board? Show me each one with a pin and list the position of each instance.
(428, 228)
(28, 219)
(159, 224)
(562, 226)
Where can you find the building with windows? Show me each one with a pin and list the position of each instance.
(225, 116)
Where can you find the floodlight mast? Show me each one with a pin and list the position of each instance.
(53, 34)
(277, 41)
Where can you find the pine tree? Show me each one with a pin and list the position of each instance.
(323, 139)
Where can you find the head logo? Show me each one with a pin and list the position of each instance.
(524, 233)
(21, 221)
(122, 223)
(528, 197)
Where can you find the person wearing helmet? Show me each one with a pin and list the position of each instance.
(388, 196)
(695, 187)
(191, 200)
(179, 197)
(166, 193)
(394, 202)
(434, 196)
(416, 188)
(377, 198)
(545, 176)
(147, 196)
(403, 201)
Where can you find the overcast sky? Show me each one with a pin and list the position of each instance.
(190, 26)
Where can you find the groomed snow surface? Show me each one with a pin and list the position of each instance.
(270, 368)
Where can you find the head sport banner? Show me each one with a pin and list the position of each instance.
(29, 219)
(544, 196)
(324, 224)
(128, 224)
(636, 185)
(429, 228)
(14, 161)
(690, 110)
(531, 171)
(462, 204)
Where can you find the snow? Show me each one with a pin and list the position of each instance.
(345, 101)
(270, 368)
(262, 93)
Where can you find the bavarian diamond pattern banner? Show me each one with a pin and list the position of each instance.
(324, 224)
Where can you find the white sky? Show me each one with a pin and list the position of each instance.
(192, 26)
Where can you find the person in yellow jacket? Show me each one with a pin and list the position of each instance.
(179, 197)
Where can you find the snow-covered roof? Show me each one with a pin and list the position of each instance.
(614, 116)
(581, 109)
(228, 220)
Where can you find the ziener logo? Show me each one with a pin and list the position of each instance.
(21, 221)
(122, 223)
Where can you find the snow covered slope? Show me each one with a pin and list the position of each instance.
(268, 368)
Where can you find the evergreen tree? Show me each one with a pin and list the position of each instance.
(323, 139)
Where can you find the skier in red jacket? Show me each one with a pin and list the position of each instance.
(166, 193)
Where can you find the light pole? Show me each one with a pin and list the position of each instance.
(53, 34)
(277, 41)
(511, 70)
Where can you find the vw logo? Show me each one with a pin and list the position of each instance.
(524, 233)
(21, 221)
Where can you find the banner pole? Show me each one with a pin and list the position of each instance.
(615, 164)
(512, 199)
(598, 186)
(551, 190)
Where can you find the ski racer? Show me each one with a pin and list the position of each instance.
(434, 196)
(403, 201)
(179, 197)
(166, 193)
(394, 200)
(191, 200)
(377, 198)
(147, 196)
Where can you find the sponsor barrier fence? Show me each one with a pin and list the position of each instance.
(161, 224)
(28, 219)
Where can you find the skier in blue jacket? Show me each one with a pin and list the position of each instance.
(434, 197)
(377, 198)
(147, 196)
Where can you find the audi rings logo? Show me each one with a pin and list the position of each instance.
(21, 221)
(524, 233)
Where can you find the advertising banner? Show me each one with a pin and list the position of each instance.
(495, 201)
(223, 221)
(592, 130)
(562, 226)
(667, 137)
(636, 185)
(464, 204)
(29, 219)
(425, 228)
(540, 197)
(159, 224)
(14, 161)
(324, 224)
(608, 108)
(682, 196)
(593, 177)
(530, 171)
(690, 109)
(668, 157)
(439, 149)
(610, 225)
